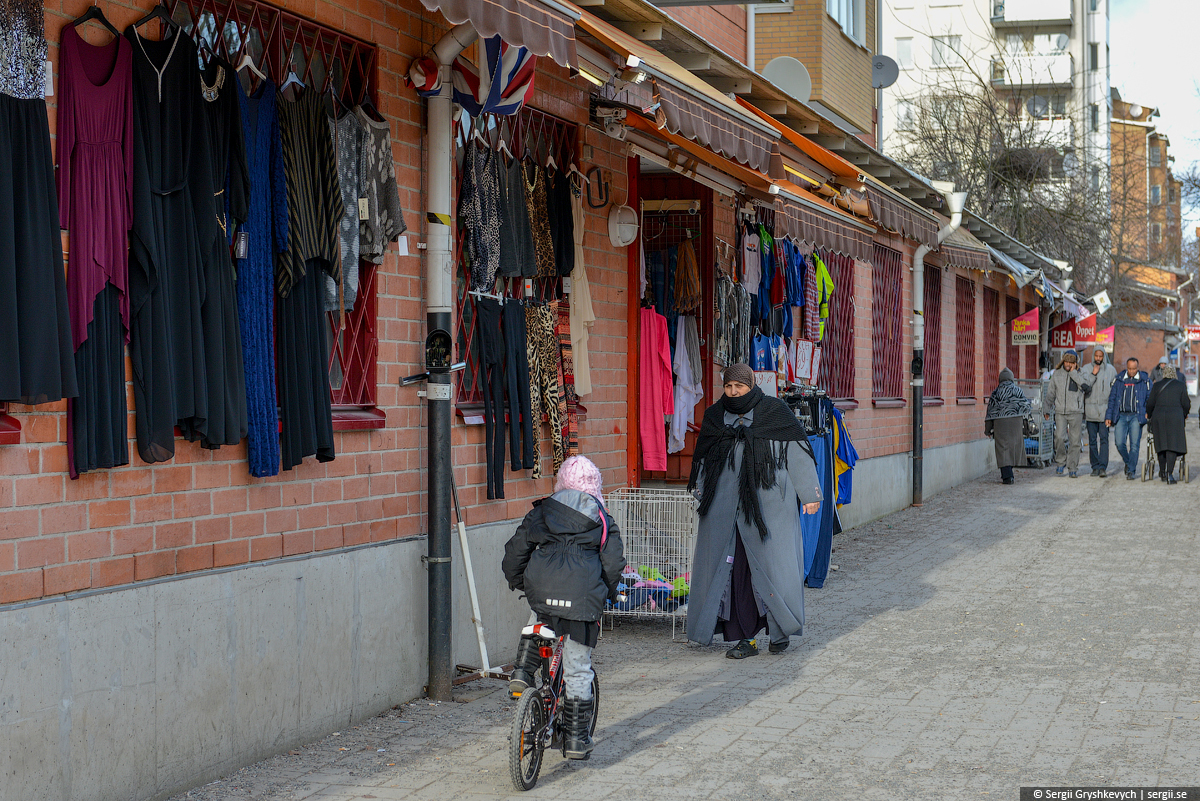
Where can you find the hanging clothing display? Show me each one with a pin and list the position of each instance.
(751, 263)
(812, 320)
(689, 383)
(656, 392)
(824, 291)
(349, 139)
(519, 384)
(95, 168)
(226, 377)
(561, 220)
(568, 402)
(583, 315)
(266, 231)
(845, 456)
(491, 377)
(377, 177)
(479, 216)
(37, 364)
(539, 219)
(174, 233)
(687, 280)
(517, 257)
(542, 350)
(314, 208)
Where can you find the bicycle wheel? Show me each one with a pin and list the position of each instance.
(525, 745)
(595, 704)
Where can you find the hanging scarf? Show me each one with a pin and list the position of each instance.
(1007, 400)
(773, 423)
(687, 280)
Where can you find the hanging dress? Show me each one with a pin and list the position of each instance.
(266, 230)
(314, 208)
(385, 219)
(95, 169)
(219, 315)
(37, 362)
(349, 138)
(174, 232)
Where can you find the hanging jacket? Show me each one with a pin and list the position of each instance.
(824, 293)
(557, 559)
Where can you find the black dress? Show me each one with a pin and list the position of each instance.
(37, 362)
(314, 208)
(174, 234)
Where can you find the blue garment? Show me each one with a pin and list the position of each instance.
(1128, 396)
(847, 453)
(818, 528)
(766, 255)
(794, 274)
(1127, 431)
(1098, 444)
(762, 354)
(267, 228)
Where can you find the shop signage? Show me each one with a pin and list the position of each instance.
(768, 382)
(1085, 331)
(816, 364)
(1025, 328)
(1062, 336)
(1193, 333)
(1102, 301)
(1106, 337)
(802, 359)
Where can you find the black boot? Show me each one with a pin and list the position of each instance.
(577, 720)
(526, 665)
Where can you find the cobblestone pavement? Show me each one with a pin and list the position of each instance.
(1043, 633)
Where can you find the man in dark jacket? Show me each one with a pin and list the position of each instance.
(567, 557)
(1126, 413)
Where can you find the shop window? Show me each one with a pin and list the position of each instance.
(887, 311)
(933, 331)
(991, 333)
(964, 337)
(1012, 353)
(837, 348)
(344, 67)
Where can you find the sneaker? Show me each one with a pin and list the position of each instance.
(1129, 475)
(1074, 474)
(779, 647)
(1096, 471)
(1059, 470)
(743, 649)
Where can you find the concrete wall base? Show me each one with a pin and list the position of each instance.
(145, 691)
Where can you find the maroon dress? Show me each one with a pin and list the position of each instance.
(95, 162)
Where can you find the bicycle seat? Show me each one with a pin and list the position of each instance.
(540, 630)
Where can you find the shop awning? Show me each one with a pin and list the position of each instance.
(826, 158)
(1020, 273)
(804, 217)
(691, 107)
(897, 213)
(749, 178)
(543, 27)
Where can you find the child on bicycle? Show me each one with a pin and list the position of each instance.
(567, 558)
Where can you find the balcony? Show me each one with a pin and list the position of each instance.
(1051, 69)
(1031, 12)
(1057, 133)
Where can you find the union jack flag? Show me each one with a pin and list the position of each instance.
(503, 85)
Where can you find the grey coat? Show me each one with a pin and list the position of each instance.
(1064, 392)
(776, 564)
(1095, 405)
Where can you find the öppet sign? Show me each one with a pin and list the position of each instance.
(1072, 333)
(1025, 328)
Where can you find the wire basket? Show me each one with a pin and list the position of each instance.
(658, 530)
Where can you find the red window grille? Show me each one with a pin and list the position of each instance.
(836, 375)
(933, 331)
(964, 337)
(1031, 354)
(531, 133)
(1012, 353)
(991, 334)
(327, 60)
(887, 351)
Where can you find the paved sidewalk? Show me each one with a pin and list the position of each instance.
(1043, 633)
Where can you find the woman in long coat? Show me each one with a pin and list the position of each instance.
(1006, 411)
(1167, 407)
(753, 469)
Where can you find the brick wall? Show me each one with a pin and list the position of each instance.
(202, 509)
(724, 27)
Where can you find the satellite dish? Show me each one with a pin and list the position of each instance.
(1063, 41)
(1037, 106)
(789, 75)
(1135, 111)
(884, 72)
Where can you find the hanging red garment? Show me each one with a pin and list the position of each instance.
(657, 395)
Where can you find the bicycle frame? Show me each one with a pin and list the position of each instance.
(553, 683)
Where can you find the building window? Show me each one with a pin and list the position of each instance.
(1094, 56)
(1155, 195)
(991, 332)
(1155, 155)
(906, 115)
(837, 357)
(1094, 116)
(850, 15)
(1093, 5)
(887, 342)
(964, 337)
(1172, 194)
(1095, 177)
(946, 50)
(904, 52)
(933, 331)
(1156, 232)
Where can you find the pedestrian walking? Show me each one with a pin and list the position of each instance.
(1167, 408)
(753, 469)
(1126, 413)
(1098, 380)
(1064, 399)
(1005, 424)
(1157, 373)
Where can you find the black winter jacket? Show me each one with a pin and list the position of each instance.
(556, 559)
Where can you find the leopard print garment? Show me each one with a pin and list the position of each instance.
(539, 221)
(542, 349)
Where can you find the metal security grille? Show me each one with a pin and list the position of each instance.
(837, 348)
(991, 334)
(933, 331)
(1012, 353)
(329, 61)
(964, 337)
(887, 352)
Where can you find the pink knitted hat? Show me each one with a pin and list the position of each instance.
(580, 473)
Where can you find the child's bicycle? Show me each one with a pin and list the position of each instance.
(537, 724)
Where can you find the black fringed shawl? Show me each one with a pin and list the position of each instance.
(773, 423)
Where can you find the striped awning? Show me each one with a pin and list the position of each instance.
(543, 27)
(894, 213)
(823, 226)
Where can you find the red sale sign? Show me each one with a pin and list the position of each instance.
(1025, 328)
(1062, 336)
(1085, 331)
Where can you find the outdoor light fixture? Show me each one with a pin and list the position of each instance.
(632, 75)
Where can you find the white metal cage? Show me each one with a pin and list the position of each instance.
(658, 530)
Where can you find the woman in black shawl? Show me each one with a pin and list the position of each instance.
(1167, 407)
(753, 470)
(1004, 423)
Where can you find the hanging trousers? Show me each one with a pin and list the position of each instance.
(491, 379)
(520, 418)
(542, 349)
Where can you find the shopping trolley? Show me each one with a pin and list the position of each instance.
(1151, 466)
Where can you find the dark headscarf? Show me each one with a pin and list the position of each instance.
(773, 423)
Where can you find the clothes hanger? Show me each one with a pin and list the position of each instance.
(501, 145)
(292, 80)
(95, 13)
(369, 109)
(248, 63)
(160, 13)
(572, 170)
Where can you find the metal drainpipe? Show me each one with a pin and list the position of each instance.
(439, 315)
(954, 204)
(751, 16)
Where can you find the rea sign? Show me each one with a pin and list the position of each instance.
(1193, 333)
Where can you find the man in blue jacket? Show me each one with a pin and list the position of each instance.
(1127, 413)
